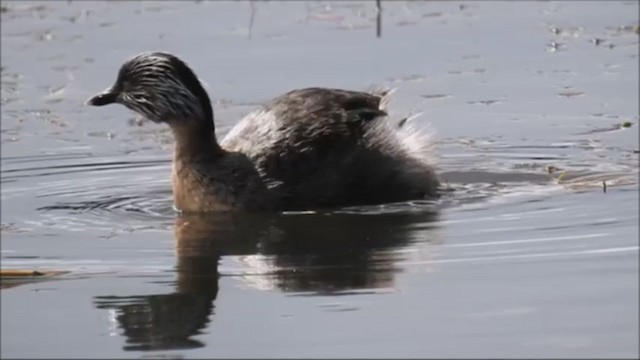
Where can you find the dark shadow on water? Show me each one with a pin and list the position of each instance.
(313, 254)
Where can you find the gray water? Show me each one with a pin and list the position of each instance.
(527, 255)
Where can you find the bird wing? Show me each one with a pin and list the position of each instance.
(307, 136)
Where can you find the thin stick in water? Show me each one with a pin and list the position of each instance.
(252, 6)
(379, 18)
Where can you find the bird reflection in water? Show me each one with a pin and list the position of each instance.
(312, 254)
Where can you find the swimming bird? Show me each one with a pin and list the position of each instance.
(308, 149)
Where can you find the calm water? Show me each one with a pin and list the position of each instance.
(514, 261)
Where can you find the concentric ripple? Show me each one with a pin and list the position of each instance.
(90, 191)
(78, 190)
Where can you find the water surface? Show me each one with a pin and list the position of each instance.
(533, 109)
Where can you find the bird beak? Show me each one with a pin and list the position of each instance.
(106, 97)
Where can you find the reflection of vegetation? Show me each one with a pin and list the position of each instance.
(318, 253)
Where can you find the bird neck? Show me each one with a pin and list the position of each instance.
(195, 140)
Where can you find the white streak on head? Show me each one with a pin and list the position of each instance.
(151, 85)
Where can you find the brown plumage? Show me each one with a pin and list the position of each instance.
(309, 148)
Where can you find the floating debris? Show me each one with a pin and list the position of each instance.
(554, 47)
(138, 121)
(628, 28)
(484, 102)
(14, 277)
(614, 127)
(435, 96)
(432, 14)
(46, 36)
(8, 227)
(326, 17)
(550, 169)
(409, 78)
(569, 94)
(405, 22)
(16, 273)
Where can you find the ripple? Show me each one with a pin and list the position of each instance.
(150, 204)
(78, 190)
(75, 168)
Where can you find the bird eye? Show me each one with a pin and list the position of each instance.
(138, 97)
